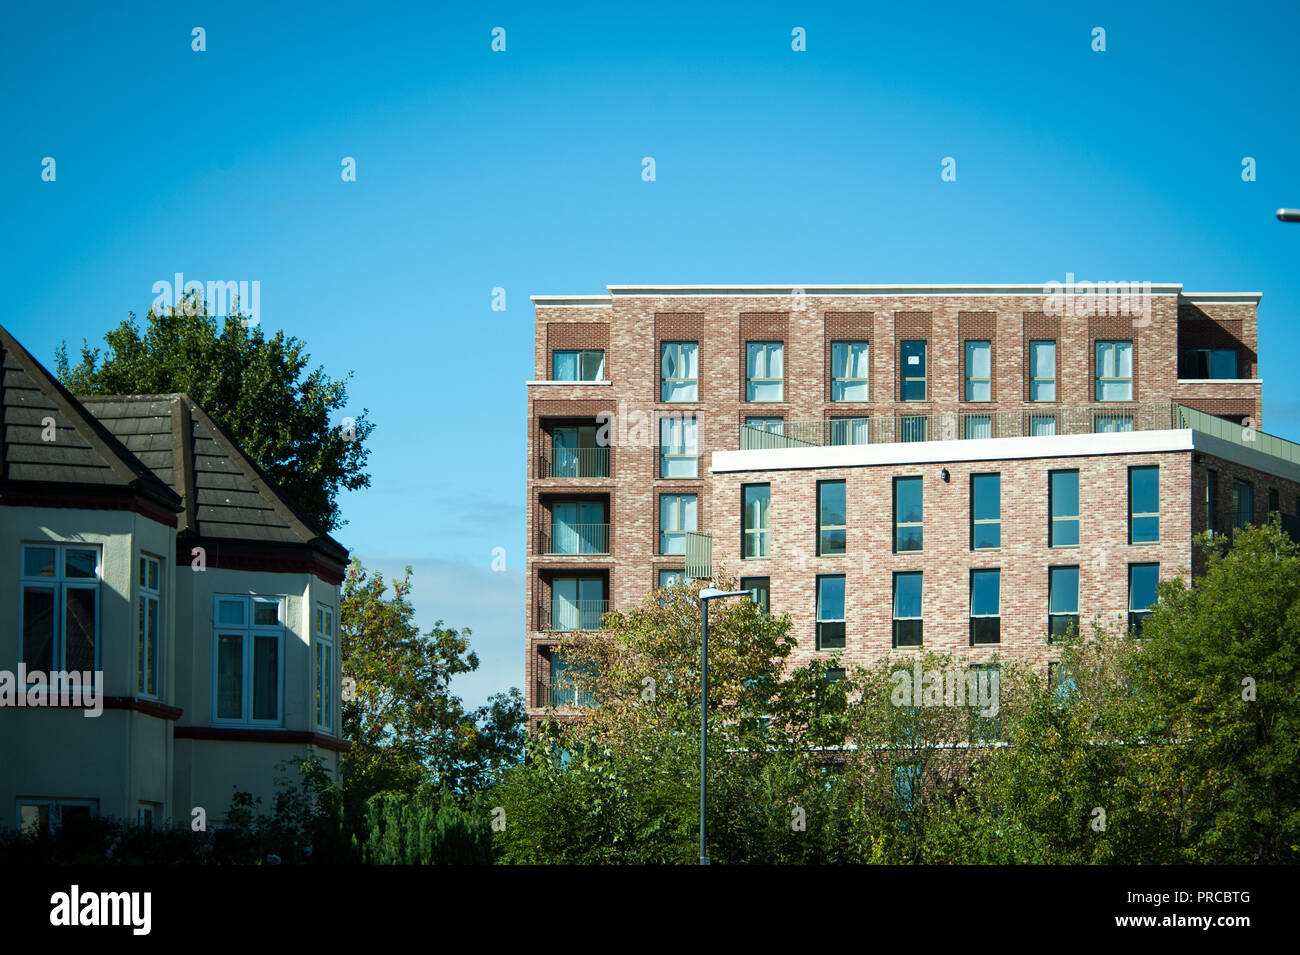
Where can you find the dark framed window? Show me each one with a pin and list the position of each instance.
(832, 521)
(1142, 580)
(850, 371)
(979, 371)
(1042, 371)
(581, 365)
(761, 587)
(1144, 504)
(912, 368)
(851, 430)
(986, 680)
(1062, 602)
(985, 607)
(1212, 502)
(1060, 681)
(764, 371)
(907, 608)
(1209, 363)
(755, 519)
(907, 514)
(1273, 504)
(914, 427)
(1243, 504)
(679, 371)
(830, 612)
(985, 511)
(1063, 505)
(1115, 371)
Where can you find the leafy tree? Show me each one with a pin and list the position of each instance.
(405, 725)
(426, 827)
(259, 390)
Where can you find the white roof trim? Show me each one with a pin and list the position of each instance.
(1223, 298)
(1035, 288)
(947, 452)
(579, 300)
(1220, 381)
(583, 384)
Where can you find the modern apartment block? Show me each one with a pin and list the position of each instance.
(965, 469)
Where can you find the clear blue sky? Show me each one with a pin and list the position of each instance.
(522, 170)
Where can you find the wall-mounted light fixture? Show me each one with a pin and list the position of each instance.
(946, 475)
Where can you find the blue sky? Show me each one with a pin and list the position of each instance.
(522, 170)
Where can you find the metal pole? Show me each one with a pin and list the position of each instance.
(704, 728)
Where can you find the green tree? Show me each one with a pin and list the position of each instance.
(259, 390)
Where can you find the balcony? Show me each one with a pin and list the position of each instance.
(574, 463)
(966, 424)
(569, 540)
(570, 616)
(559, 696)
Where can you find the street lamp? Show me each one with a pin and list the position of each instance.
(1288, 215)
(707, 594)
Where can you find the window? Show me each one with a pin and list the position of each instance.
(1142, 580)
(1243, 504)
(915, 427)
(850, 430)
(1108, 422)
(679, 371)
(1273, 505)
(850, 370)
(1063, 503)
(585, 365)
(671, 576)
(148, 653)
(577, 603)
(1042, 425)
(1212, 502)
(985, 613)
(832, 522)
(986, 681)
(761, 588)
(1115, 371)
(1060, 681)
(576, 454)
(678, 446)
(907, 608)
(756, 433)
(764, 374)
(985, 511)
(907, 787)
(48, 815)
(907, 514)
(578, 527)
(830, 612)
(567, 682)
(1042, 371)
(146, 813)
(977, 426)
(755, 519)
(912, 369)
(1062, 602)
(979, 371)
(60, 608)
(325, 667)
(1143, 505)
(248, 650)
(677, 515)
(1209, 363)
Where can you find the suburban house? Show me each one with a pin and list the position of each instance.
(143, 553)
(972, 470)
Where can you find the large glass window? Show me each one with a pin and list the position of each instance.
(979, 371)
(985, 511)
(850, 371)
(577, 603)
(1144, 505)
(907, 609)
(830, 612)
(764, 371)
(679, 446)
(677, 515)
(1063, 503)
(578, 527)
(679, 371)
(59, 613)
(148, 641)
(583, 365)
(850, 430)
(756, 432)
(761, 588)
(1114, 371)
(576, 454)
(325, 667)
(914, 427)
(832, 522)
(1142, 580)
(1042, 425)
(912, 370)
(1042, 371)
(248, 649)
(1062, 602)
(755, 519)
(1209, 363)
(1243, 504)
(907, 514)
(985, 607)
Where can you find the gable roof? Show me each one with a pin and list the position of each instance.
(225, 496)
(83, 454)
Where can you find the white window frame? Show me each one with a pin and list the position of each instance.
(325, 628)
(249, 632)
(144, 596)
(59, 585)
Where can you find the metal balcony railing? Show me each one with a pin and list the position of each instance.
(559, 696)
(569, 616)
(561, 539)
(574, 463)
(966, 424)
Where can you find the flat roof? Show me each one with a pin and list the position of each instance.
(1023, 288)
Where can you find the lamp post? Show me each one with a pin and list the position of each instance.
(1288, 215)
(707, 594)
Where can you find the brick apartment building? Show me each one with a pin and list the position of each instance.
(965, 469)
